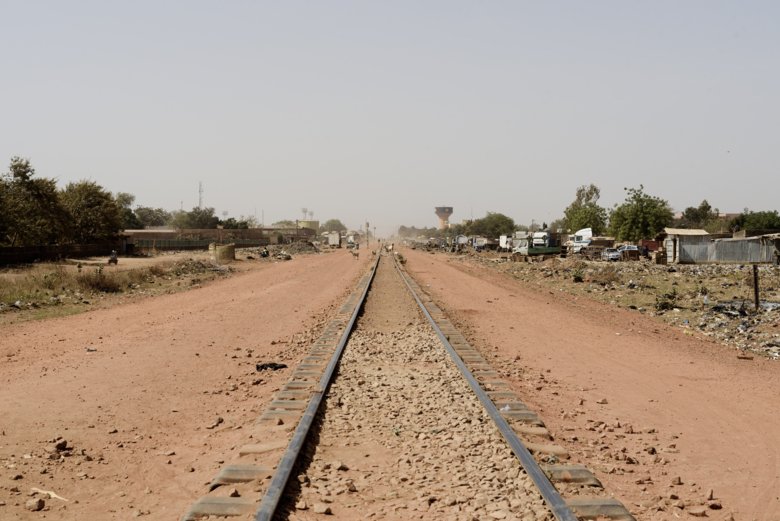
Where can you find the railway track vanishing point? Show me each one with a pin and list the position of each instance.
(403, 431)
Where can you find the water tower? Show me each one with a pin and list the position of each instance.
(443, 213)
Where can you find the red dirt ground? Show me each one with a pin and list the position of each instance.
(137, 406)
(134, 388)
(710, 418)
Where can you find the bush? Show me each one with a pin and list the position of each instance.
(99, 281)
(606, 276)
(666, 301)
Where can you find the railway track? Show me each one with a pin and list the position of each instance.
(403, 431)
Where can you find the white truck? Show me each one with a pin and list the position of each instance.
(582, 239)
(334, 239)
(505, 242)
(537, 243)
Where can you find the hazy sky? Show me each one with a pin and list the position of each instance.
(380, 111)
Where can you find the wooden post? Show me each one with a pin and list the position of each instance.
(755, 286)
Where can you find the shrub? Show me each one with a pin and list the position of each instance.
(666, 301)
(98, 281)
(606, 276)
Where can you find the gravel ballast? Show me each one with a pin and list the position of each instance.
(402, 436)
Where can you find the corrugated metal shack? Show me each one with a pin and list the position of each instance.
(764, 249)
(678, 241)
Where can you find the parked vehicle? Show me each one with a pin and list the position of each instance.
(611, 254)
(629, 252)
(582, 239)
(505, 242)
(334, 239)
(479, 243)
(538, 243)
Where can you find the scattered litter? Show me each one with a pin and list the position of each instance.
(273, 366)
(49, 493)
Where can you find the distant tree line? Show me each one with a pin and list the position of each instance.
(640, 216)
(34, 212)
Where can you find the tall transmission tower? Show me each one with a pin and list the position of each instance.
(200, 194)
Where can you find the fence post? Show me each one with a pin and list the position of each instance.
(755, 286)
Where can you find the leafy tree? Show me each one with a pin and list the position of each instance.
(197, 218)
(94, 213)
(641, 216)
(148, 216)
(698, 217)
(234, 224)
(30, 209)
(749, 220)
(413, 232)
(250, 220)
(558, 224)
(460, 228)
(493, 225)
(333, 225)
(125, 202)
(584, 211)
(286, 223)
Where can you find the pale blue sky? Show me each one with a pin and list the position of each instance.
(380, 111)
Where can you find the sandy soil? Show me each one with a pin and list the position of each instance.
(637, 401)
(116, 409)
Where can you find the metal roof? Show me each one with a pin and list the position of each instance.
(684, 231)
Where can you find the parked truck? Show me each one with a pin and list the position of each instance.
(537, 243)
(580, 240)
(585, 243)
(334, 239)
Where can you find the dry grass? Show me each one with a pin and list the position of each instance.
(49, 283)
(606, 275)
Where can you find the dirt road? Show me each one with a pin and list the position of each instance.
(645, 402)
(128, 411)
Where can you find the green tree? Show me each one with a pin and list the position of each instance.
(333, 225)
(94, 213)
(558, 224)
(584, 211)
(30, 209)
(460, 228)
(148, 216)
(493, 225)
(197, 218)
(412, 232)
(232, 223)
(286, 223)
(698, 217)
(758, 221)
(641, 216)
(125, 202)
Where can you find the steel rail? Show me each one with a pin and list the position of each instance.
(551, 496)
(273, 494)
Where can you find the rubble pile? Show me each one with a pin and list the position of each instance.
(712, 300)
